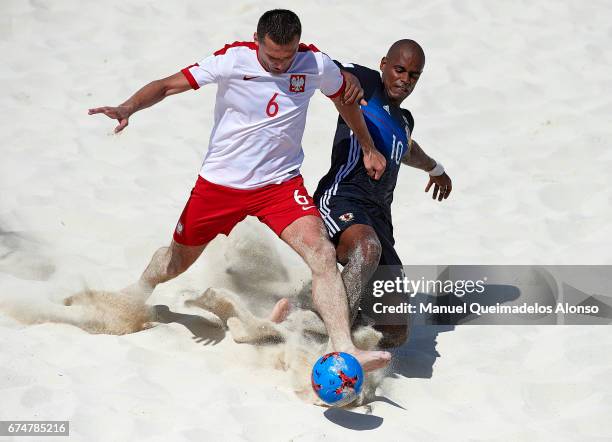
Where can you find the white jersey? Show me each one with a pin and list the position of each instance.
(259, 116)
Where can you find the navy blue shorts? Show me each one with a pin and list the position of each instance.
(341, 212)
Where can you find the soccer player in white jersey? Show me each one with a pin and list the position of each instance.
(254, 155)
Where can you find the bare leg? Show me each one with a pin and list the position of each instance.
(166, 264)
(126, 311)
(359, 251)
(308, 238)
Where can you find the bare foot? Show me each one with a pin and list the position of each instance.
(109, 312)
(280, 311)
(222, 303)
(253, 331)
(372, 360)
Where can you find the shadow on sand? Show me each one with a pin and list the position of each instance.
(204, 331)
(416, 358)
(351, 420)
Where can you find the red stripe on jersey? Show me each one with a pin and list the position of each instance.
(192, 81)
(339, 90)
(248, 44)
(251, 45)
(305, 48)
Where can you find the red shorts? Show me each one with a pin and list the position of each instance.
(213, 209)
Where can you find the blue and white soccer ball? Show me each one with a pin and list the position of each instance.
(337, 378)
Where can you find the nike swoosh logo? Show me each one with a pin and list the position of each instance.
(248, 77)
(308, 207)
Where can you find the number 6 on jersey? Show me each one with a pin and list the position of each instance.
(272, 108)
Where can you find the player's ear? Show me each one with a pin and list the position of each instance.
(255, 37)
(383, 62)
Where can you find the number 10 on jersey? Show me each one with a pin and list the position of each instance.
(397, 148)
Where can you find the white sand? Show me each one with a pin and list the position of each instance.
(515, 101)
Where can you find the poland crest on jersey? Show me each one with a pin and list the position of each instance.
(297, 83)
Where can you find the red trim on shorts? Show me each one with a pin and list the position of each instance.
(339, 90)
(247, 44)
(192, 81)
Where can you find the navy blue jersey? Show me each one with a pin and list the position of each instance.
(390, 128)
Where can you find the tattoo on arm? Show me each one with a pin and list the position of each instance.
(415, 157)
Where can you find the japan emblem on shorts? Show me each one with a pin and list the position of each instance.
(297, 83)
(346, 217)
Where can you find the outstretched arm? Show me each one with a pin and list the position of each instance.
(416, 157)
(147, 96)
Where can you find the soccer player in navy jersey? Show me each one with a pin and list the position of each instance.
(356, 209)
